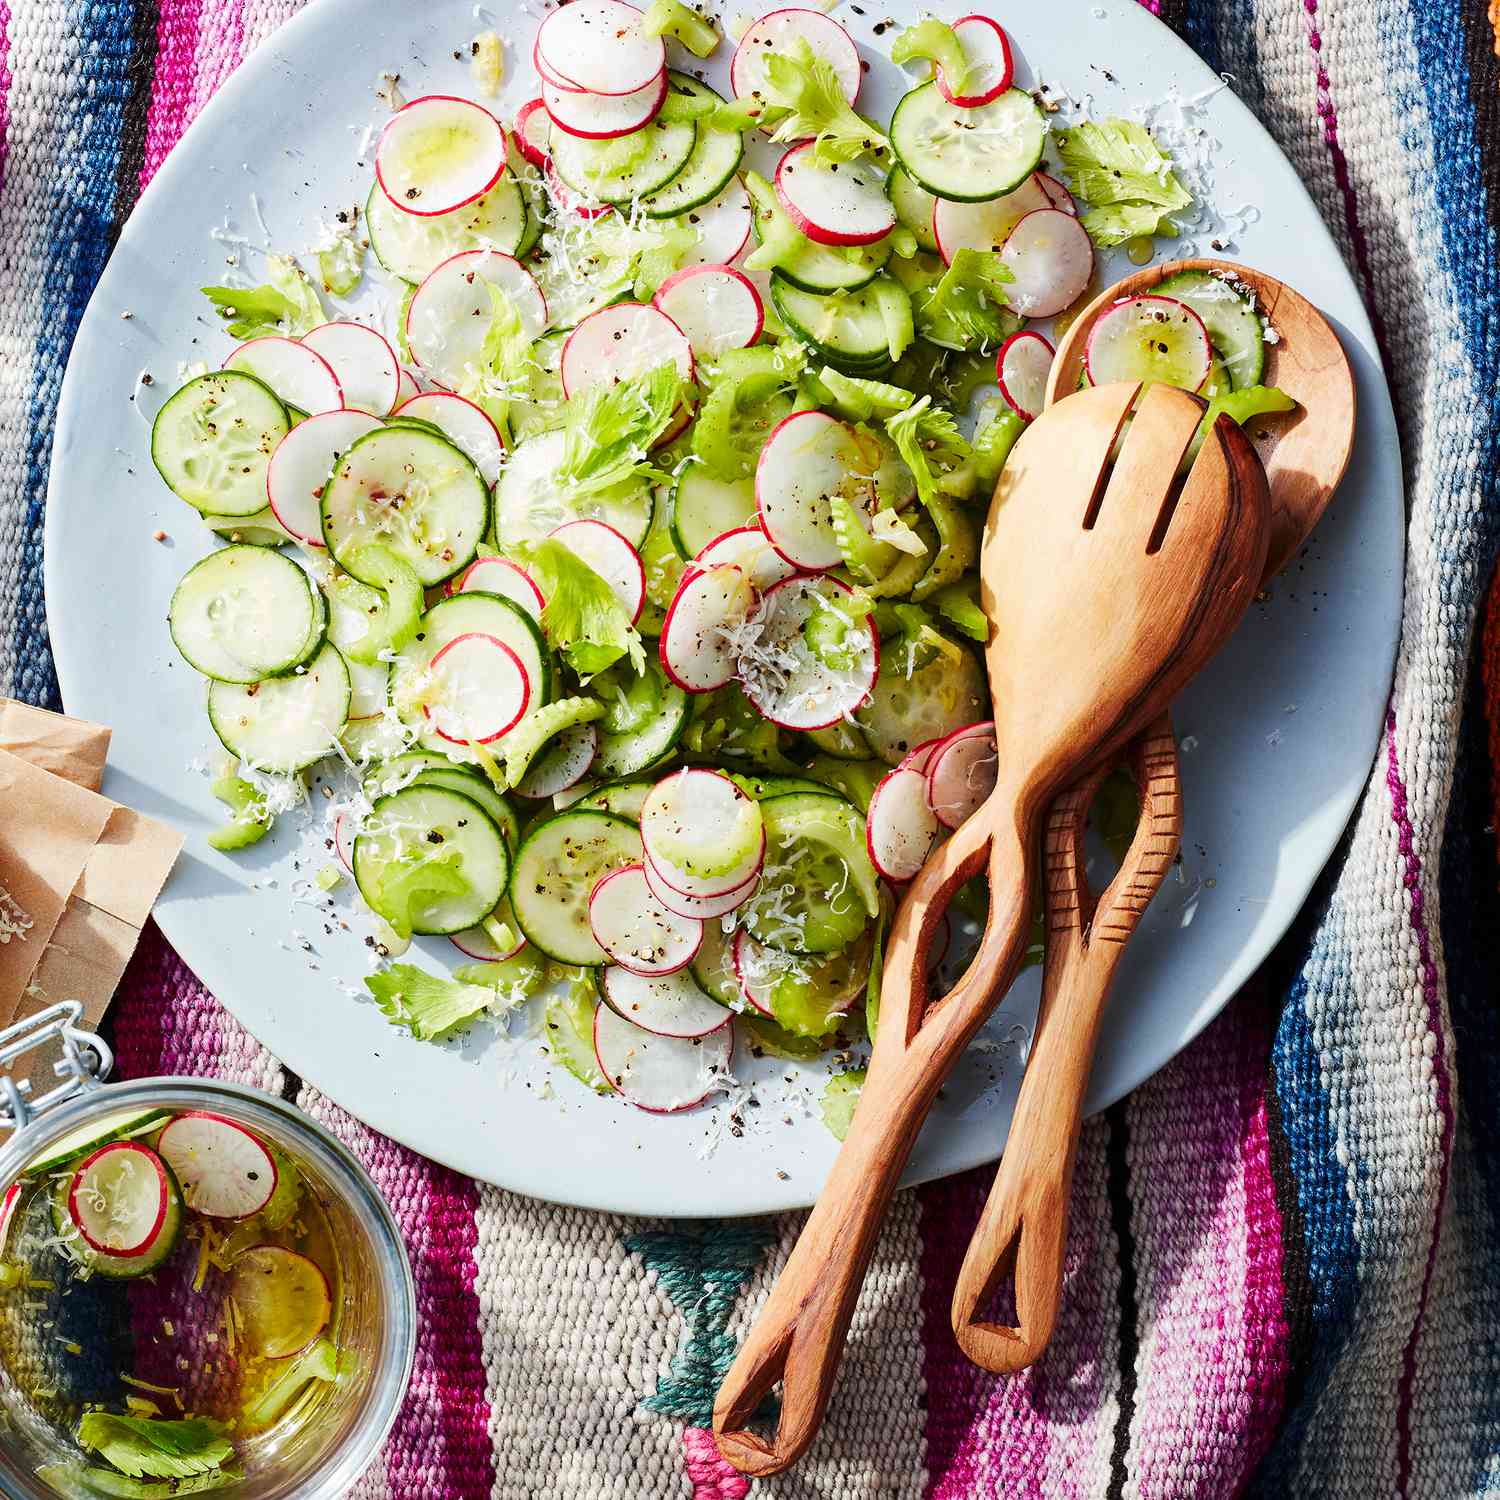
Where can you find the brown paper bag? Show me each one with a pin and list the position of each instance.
(79, 873)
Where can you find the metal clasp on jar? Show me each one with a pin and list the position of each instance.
(85, 1062)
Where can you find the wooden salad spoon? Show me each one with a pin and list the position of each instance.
(1130, 578)
(1022, 1231)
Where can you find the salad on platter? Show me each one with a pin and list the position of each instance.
(613, 602)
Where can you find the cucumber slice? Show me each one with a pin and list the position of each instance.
(761, 787)
(412, 245)
(467, 784)
(284, 724)
(245, 613)
(848, 330)
(930, 704)
(123, 1125)
(712, 967)
(431, 861)
(623, 798)
(531, 502)
(162, 1243)
(644, 717)
(1235, 329)
(715, 159)
(704, 508)
(560, 861)
(842, 741)
(913, 205)
(626, 167)
(213, 439)
(821, 268)
(968, 155)
(410, 491)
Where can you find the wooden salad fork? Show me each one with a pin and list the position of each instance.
(1108, 580)
(1022, 1230)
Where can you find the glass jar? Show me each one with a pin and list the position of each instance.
(65, 1339)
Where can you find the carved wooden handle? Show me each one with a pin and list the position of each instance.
(1023, 1229)
(799, 1335)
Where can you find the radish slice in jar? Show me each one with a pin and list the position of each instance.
(597, 117)
(1052, 258)
(299, 376)
(1150, 338)
(603, 550)
(987, 52)
(834, 203)
(716, 307)
(640, 934)
(664, 1005)
(777, 33)
(705, 615)
(467, 426)
(901, 827)
(1021, 369)
(119, 1199)
(300, 466)
(987, 225)
(223, 1170)
(661, 1074)
(809, 458)
(438, 153)
(620, 342)
(599, 46)
(961, 773)
(564, 763)
(449, 316)
(498, 575)
(362, 361)
(477, 690)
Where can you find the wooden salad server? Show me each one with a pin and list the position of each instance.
(1022, 1232)
(1108, 581)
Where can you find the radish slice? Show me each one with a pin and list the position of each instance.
(566, 762)
(661, 1074)
(301, 464)
(1021, 368)
(439, 153)
(757, 977)
(477, 689)
(118, 1199)
(747, 548)
(467, 426)
(920, 756)
(600, 46)
(985, 226)
(601, 548)
(282, 1299)
(1052, 258)
(364, 364)
(962, 774)
(450, 312)
(1149, 338)
(901, 827)
(776, 33)
(841, 977)
(723, 227)
(664, 1005)
(8, 1211)
(705, 908)
(408, 390)
(987, 52)
(546, 73)
(1057, 194)
(702, 832)
(697, 637)
(498, 575)
(476, 943)
(533, 129)
(224, 1171)
(597, 117)
(809, 458)
(663, 876)
(620, 342)
(299, 377)
(834, 203)
(640, 934)
(568, 201)
(815, 657)
(716, 307)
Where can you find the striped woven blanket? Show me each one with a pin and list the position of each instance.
(1282, 1264)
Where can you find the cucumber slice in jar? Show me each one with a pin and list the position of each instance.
(967, 155)
(129, 1124)
(1235, 329)
(212, 442)
(119, 1212)
(284, 724)
(560, 861)
(430, 861)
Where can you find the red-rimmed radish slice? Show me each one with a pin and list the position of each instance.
(756, 974)
(723, 227)
(364, 364)
(620, 342)
(815, 656)
(564, 763)
(408, 390)
(697, 637)
(8, 1207)
(1149, 338)
(498, 575)
(600, 46)
(1051, 258)
(900, 828)
(438, 153)
(300, 466)
(119, 1198)
(808, 458)
(839, 978)
(716, 307)
(1021, 369)
(1057, 194)
(987, 51)
(298, 375)
(477, 689)
(919, 756)
(343, 840)
(962, 774)
(661, 1074)
(705, 908)
(640, 934)
(749, 549)
(466, 425)
(598, 117)
(834, 203)
(476, 942)
(533, 128)
(548, 74)
(702, 832)
(984, 226)
(665, 1005)
(282, 1298)
(225, 1172)
(600, 547)
(776, 33)
(449, 316)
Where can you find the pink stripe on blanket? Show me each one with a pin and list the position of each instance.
(5, 25)
(172, 84)
(164, 1021)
